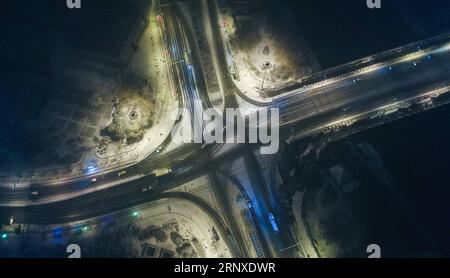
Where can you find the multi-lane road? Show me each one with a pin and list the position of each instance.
(364, 92)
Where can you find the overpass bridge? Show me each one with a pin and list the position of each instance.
(379, 91)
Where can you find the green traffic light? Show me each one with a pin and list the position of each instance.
(135, 213)
(4, 236)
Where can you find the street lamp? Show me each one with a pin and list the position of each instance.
(266, 66)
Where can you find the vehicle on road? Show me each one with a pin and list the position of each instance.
(215, 234)
(159, 149)
(273, 222)
(148, 189)
(33, 193)
(161, 171)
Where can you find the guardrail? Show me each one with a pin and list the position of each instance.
(354, 66)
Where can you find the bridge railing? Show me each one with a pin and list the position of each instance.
(430, 43)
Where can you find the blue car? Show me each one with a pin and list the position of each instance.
(273, 222)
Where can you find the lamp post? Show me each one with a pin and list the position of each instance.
(266, 66)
